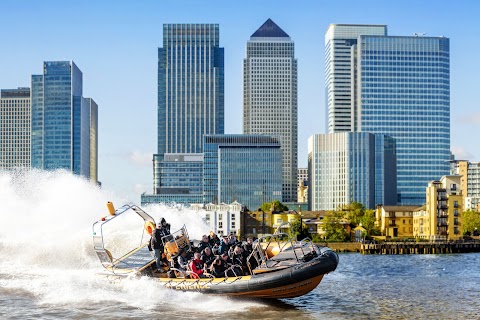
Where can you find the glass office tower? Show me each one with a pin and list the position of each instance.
(270, 96)
(15, 128)
(350, 166)
(190, 87)
(403, 90)
(61, 119)
(339, 39)
(243, 168)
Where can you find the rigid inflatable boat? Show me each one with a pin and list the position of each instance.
(279, 266)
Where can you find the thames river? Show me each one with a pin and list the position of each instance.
(48, 270)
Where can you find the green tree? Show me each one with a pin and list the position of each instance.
(333, 227)
(298, 230)
(353, 212)
(368, 222)
(274, 206)
(471, 220)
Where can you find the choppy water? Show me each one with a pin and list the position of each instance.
(48, 267)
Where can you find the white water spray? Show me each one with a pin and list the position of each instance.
(46, 246)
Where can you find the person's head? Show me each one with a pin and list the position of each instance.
(212, 234)
(159, 225)
(232, 239)
(208, 251)
(249, 240)
(205, 238)
(237, 250)
(225, 239)
(163, 222)
(218, 260)
(197, 255)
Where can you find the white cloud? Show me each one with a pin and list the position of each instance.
(461, 154)
(142, 159)
(473, 118)
(140, 188)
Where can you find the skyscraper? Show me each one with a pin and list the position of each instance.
(190, 105)
(350, 167)
(15, 128)
(243, 168)
(190, 87)
(270, 96)
(403, 89)
(61, 119)
(339, 40)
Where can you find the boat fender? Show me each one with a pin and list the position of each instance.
(149, 227)
(111, 208)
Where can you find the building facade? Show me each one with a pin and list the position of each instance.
(395, 221)
(15, 122)
(61, 120)
(442, 218)
(469, 182)
(344, 168)
(339, 40)
(302, 188)
(224, 219)
(190, 95)
(403, 91)
(270, 96)
(243, 168)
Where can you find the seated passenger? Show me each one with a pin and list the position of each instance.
(197, 266)
(218, 268)
(207, 257)
(230, 269)
(224, 246)
(203, 244)
(248, 246)
(238, 261)
(213, 239)
(183, 260)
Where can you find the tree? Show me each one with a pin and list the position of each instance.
(333, 227)
(353, 212)
(274, 206)
(368, 222)
(471, 221)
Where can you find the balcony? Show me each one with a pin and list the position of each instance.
(442, 206)
(442, 198)
(442, 224)
(456, 223)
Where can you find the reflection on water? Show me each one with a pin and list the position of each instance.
(48, 269)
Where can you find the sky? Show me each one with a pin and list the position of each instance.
(114, 43)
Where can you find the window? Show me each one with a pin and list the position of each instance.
(233, 224)
(233, 216)
(279, 221)
(207, 217)
(220, 216)
(220, 224)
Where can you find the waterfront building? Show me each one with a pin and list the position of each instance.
(15, 128)
(243, 168)
(351, 167)
(442, 218)
(469, 182)
(256, 224)
(62, 120)
(190, 96)
(339, 40)
(403, 91)
(397, 86)
(224, 219)
(270, 96)
(395, 221)
(302, 187)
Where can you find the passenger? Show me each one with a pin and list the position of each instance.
(207, 257)
(232, 240)
(203, 244)
(213, 239)
(183, 260)
(197, 265)
(157, 245)
(229, 267)
(238, 261)
(218, 267)
(224, 246)
(165, 227)
(248, 246)
(215, 249)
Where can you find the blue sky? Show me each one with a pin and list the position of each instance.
(115, 44)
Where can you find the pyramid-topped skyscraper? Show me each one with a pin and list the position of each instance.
(270, 96)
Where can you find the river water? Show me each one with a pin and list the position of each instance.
(48, 269)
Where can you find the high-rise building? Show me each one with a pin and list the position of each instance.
(190, 100)
(302, 188)
(270, 96)
(93, 107)
(350, 167)
(396, 86)
(243, 168)
(403, 91)
(61, 120)
(339, 56)
(469, 182)
(15, 128)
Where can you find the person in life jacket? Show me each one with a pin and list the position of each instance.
(163, 229)
(197, 265)
(207, 257)
(203, 244)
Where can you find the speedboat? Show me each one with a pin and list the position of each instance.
(279, 266)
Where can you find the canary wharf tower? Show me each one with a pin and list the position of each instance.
(270, 96)
(190, 105)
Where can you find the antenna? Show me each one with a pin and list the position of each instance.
(416, 34)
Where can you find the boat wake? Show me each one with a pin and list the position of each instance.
(47, 257)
